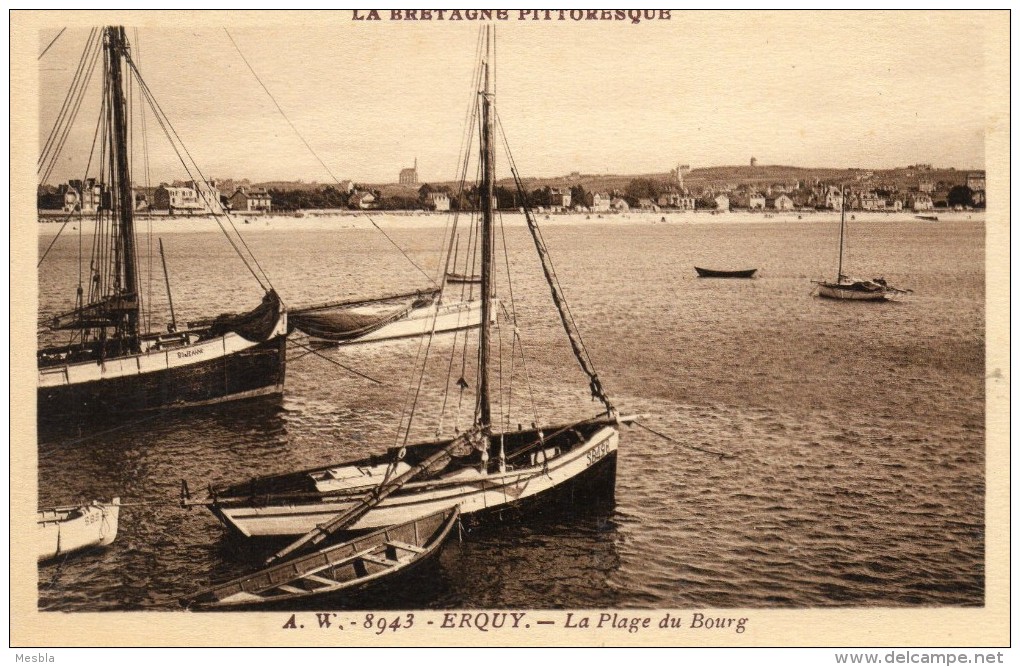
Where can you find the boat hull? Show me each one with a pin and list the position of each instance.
(573, 479)
(63, 531)
(446, 317)
(848, 293)
(712, 273)
(217, 370)
(342, 573)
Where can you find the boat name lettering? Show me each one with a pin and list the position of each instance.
(184, 354)
(598, 452)
(482, 621)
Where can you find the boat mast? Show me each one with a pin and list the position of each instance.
(842, 221)
(117, 46)
(487, 195)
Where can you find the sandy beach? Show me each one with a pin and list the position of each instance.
(326, 220)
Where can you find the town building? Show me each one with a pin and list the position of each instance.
(251, 201)
(782, 203)
(81, 196)
(926, 186)
(362, 200)
(559, 199)
(756, 202)
(722, 203)
(346, 186)
(409, 176)
(976, 180)
(869, 201)
(834, 199)
(600, 202)
(922, 202)
(437, 201)
(176, 199)
(676, 199)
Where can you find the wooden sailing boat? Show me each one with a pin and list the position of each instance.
(408, 315)
(851, 289)
(110, 366)
(485, 471)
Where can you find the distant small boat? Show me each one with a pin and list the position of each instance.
(712, 273)
(348, 568)
(462, 278)
(930, 218)
(62, 530)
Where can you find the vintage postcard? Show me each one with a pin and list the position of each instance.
(510, 328)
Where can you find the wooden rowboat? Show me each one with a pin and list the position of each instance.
(62, 530)
(712, 273)
(462, 278)
(352, 567)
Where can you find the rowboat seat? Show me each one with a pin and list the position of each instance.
(372, 558)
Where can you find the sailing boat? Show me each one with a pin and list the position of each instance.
(407, 315)
(488, 470)
(851, 289)
(111, 366)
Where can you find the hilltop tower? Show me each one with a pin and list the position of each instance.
(679, 172)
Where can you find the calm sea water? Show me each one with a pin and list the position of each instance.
(854, 432)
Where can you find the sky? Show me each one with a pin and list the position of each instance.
(873, 90)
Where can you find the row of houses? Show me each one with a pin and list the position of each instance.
(190, 197)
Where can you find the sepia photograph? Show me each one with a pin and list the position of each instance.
(510, 327)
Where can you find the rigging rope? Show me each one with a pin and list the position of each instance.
(71, 92)
(721, 455)
(54, 41)
(168, 128)
(566, 317)
(311, 350)
(316, 155)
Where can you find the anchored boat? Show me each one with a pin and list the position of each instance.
(64, 530)
(851, 289)
(111, 365)
(714, 273)
(384, 557)
(488, 469)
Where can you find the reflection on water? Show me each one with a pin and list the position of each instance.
(856, 430)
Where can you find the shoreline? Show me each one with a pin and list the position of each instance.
(325, 221)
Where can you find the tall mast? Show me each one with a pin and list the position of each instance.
(117, 46)
(487, 194)
(842, 221)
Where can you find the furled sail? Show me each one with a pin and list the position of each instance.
(352, 319)
(255, 325)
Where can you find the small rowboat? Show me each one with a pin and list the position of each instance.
(63, 530)
(462, 278)
(712, 273)
(352, 567)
